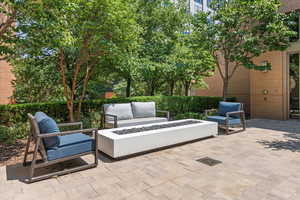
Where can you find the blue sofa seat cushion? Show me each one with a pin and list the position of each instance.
(225, 107)
(47, 125)
(222, 120)
(71, 145)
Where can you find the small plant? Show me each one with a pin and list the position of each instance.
(92, 120)
(9, 135)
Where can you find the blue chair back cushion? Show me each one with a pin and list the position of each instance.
(47, 125)
(70, 145)
(225, 107)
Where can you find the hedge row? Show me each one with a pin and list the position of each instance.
(13, 114)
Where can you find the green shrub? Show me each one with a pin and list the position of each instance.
(12, 116)
(11, 134)
(189, 115)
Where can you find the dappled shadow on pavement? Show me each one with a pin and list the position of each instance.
(291, 145)
(288, 126)
(21, 173)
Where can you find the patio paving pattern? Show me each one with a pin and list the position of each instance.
(262, 163)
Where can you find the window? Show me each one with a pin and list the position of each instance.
(199, 1)
(198, 8)
(209, 2)
(220, 2)
(294, 25)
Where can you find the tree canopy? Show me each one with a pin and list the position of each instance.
(78, 35)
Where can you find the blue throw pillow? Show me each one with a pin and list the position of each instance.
(47, 125)
(225, 107)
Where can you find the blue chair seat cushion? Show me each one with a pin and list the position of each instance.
(225, 107)
(70, 145)
(222, 120)
(47, 125)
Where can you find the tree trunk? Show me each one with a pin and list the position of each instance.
(226, 81)
(128, 87)
(67, 94)
(71, 110)
(186, 88)
(152, 91)
(172, 86)
(225, 89)
(85, 84)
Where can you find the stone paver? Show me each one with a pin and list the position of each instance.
(262, 163)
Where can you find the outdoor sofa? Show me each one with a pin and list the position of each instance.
(131, 114)
(55, 146)
(229, 114)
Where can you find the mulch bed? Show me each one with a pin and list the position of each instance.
(11, 154)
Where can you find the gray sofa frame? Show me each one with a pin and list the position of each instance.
(39, 147)
(115, 118)
(227, 126)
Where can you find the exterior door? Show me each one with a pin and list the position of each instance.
(294, 89)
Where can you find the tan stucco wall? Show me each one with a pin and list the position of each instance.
(290, 5)
(6, 77)
(239, 86)
(272, 104)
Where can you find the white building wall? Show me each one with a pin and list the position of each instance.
(198, 5)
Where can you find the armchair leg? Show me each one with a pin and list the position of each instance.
(244, 123)
(26, 150)
(227, 130)
(32, 166)
(96, 148)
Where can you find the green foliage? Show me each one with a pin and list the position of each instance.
(12, 133)
(9, 11)
(188, 64)
(189, 115)
(14, 119)
(36, 82)
(75, 39)
(12, 114)
(163, 22)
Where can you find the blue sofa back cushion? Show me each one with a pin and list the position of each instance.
(47, 125)
(225, 107)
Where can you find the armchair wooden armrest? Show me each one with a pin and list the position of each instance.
(242, 117)
(166, 112)
(91, 130)
(241, 112)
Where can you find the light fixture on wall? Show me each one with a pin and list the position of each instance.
(265, 92)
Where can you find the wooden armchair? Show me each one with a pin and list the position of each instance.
(71, 144)
(229, 114)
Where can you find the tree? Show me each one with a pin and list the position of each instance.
(161, 21)
(126, 67)
(9, 11)
(190, 64)
(36, 82)
(150, 72)
(171, 75)
(239, 30)
(78, 34)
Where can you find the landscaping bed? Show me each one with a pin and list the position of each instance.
(11, 154)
